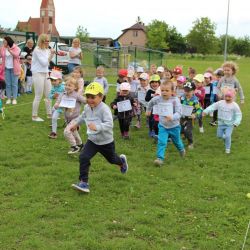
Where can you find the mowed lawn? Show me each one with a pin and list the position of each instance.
(198, 202)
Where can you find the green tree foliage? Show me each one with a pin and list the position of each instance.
(201, 38)
(242, 46)
(82, 34)
(157, 35)
(161, 36)
(231, 41)
(176, 41)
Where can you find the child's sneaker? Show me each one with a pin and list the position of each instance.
(152, 134)
(138, 125)
(124, 166)
(213, 123)
(74, 149)
(158, 162)
(8, 101)
(81, 186)
(201, 130)
(227, 151)
(52, 135)
(191, 146)
(80, 146)
(183, 153)
(126, 135)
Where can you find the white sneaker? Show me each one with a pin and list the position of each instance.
(8, 101)
(191, 146)
(227, 151)
(201, 130)
(14, 102)
(37, 119)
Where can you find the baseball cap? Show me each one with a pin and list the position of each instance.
(181, 79)
(207, 75)
(139, 69)
(155, 78)
(55, 74)
(160, 69)
(189, 86)
(177, 70)
(219, 72)
(143, 76)
(94, 88)
(125, 86)
(122, 72)
(199, 78)
(131, 73)
(227, 91)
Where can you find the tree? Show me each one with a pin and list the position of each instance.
(82, 34)
(201, 38)
(231, 40)
(157, 35)
(176, 41)
(242, 46)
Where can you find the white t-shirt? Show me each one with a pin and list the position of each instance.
(8, 60)
(76, 59)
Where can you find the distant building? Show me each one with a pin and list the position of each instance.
(135, 35)
(43, 24)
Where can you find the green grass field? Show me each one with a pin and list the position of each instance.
(198, 202)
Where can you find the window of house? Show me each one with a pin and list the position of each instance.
(43, 13)
(135, 33)
(50, 20)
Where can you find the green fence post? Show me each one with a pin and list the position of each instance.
(135, 57)
(149, 55)
(97, 54)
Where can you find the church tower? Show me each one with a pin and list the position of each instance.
(47, 18)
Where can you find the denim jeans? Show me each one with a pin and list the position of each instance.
(11, 81)
(225, 132)
(164, 134)
(71, 66)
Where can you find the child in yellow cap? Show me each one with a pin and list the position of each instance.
(99, 122)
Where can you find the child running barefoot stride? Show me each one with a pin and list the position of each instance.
(169, 111)
(99, 121)
(229, 116)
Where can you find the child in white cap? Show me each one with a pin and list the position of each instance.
(141, 94)
(122, 105)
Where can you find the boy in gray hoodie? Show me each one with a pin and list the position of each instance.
(99, 122)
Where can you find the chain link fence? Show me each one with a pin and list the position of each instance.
(114, 59)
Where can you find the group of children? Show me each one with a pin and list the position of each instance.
(174, 102)
(171, 102)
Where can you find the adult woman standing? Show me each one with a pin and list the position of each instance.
(12, 68)
(75, 54)
(41, 57)
(29, 47)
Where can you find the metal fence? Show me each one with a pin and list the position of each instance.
(114, 59)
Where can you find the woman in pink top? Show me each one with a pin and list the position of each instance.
(12, 68)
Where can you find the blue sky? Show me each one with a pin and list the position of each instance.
(108, 18)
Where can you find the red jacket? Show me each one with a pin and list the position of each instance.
(200, 93)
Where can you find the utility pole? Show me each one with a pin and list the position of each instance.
(225, 49)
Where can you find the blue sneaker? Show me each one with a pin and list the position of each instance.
(124, 167)
(81, 186)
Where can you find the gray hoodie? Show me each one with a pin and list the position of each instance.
(177, 108)
(102, 117)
